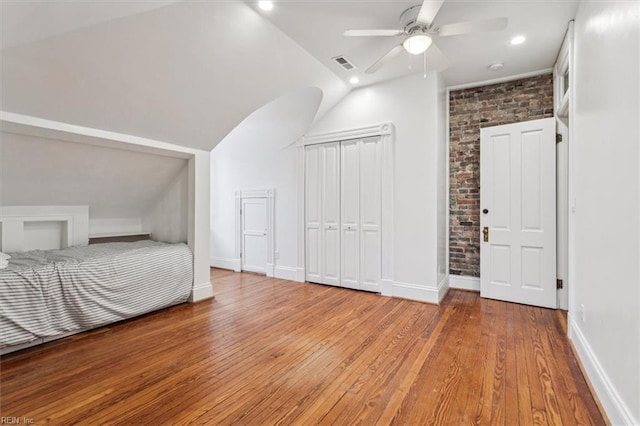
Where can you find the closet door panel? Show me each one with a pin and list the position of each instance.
(370, 211)
(331, 214)
(350, 214)
(370, 261)
(350, 259)
(313, 218)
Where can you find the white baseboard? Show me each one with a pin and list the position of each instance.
(415, 292)
(386, 287)
(201, 292)
(285, 273)
(464, 282)
(226, 263)
(300, 275)
(270, 270)
(616, 409)
(443, 288)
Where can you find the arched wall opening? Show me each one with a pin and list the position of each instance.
(260, 154)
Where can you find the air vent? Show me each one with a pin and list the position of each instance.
(344, 63)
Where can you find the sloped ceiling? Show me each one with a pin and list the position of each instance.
(114, 183)
(186, 73)
(28, 21)
(274, 126)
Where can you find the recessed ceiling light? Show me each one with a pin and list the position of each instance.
(265, 5)
(497, 66)
(518, 40)
(354, 80)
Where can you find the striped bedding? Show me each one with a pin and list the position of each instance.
(52, 292)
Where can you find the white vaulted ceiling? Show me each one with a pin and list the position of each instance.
(28, 21)
(185, 73)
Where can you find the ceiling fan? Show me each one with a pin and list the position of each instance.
(419, 31)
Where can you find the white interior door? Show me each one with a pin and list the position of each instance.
(330, 270)
(370, 212)
(254, 235)
(350, 224)
(518, 213)
(313, 213)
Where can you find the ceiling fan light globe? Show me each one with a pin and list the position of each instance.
(417, 43)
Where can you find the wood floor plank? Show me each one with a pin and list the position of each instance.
(269, 351)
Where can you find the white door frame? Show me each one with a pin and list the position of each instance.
(269, 194)
(386, 132)
(562, 97)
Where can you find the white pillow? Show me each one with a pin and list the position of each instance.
(4, 256)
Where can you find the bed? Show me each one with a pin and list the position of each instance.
(45, 294)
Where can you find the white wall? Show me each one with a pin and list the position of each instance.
(605, 192)
(259, 154)
(411, 104)
(443, 187)
(168, 218)
(118, 185)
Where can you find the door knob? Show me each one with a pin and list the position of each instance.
(485, 233)
(485, 211)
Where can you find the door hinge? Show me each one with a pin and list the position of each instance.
(558, 137)
(559, 284)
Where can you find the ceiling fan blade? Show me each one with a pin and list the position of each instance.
(372, 33)
(437, 58)
(473, 27)
(386, 58)
(428, 11)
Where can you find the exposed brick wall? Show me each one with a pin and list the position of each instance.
(470, 110)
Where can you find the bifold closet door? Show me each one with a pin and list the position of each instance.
(370, 213)
(350, 201)
(313, 212)
(330, 269)
(342, 213)
(322, 210)
(361, 211)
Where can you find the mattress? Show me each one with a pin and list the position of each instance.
(53, 292)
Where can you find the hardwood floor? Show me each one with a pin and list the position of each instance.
(270, 351)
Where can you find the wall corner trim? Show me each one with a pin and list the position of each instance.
(271, 270)
(616, 409)
(386, 287)
(443, 288)
(201, 292)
